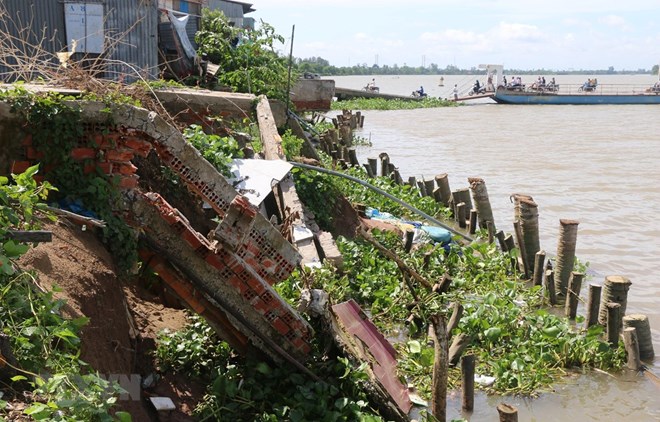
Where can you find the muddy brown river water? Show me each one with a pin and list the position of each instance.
(597, 164)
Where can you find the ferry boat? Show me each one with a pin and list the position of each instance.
(579, 94)
(591, 92)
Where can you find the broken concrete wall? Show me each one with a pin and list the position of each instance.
(236, 281)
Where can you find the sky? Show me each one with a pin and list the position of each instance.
(518, 34)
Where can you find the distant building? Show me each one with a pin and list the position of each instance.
(119, 39)
(235, 11)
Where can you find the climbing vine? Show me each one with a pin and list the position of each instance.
(56, 128)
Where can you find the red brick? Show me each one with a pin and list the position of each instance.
(192, 239)
(259, 305)
(18, 167)
(104, 167)
(27, 139)
(119, 155)
(280, 326)
(33, 154)
(89, 168)
(215, 261)
(38, 178)
(126, 168)
(128, 182)
(139, 146)
(305, 349)
(83, 153)
(256, 285)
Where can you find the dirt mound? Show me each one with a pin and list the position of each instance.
(124, 317)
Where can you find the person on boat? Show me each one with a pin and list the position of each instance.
(504, 80)
(455, 92)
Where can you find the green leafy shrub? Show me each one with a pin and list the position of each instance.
(248, 60)
(219, 151)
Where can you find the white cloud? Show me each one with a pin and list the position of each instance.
(615, 22)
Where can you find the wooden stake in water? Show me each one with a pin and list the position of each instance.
(613, 322)
(529, 225)
(550, 286)
(645, 340)
(632, 348)
(481, 201)
(508, 413)
(462, 195)
(467, 382)
(539, 267)
(573, 295)
(444, 193)
(593, 303)
(565, 254)
(440, 369)
(615, 290)
(373, 164)
(384, 163)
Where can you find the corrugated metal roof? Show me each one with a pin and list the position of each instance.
(132, 24)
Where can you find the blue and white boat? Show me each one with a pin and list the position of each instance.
(578, 94)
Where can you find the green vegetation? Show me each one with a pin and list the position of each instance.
(219, 151)
(247, 59)
(247, 389)
(45, 345)
(56, 128)
(384, 104)
(323, 67)
(516, 339)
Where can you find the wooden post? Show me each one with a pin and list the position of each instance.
(467, 382)
(539, 267)
(429, 186)
(373, 164)
(521, 248)
(396, 176)
(409, 240)
(500, 238)
(458, 346)
(384, 163)
(370, 173)
(613, 322)
(391, 168)
(550, 286)
(593, 303)
(463, 195)
(527, 212)
(460, 214)
(412, 181)
(473, 221)
(573, 294)
(632, 348)
(442, 181)
(440, 369)
(508, 413)
(565, 254)
(421, 187)
(615, 289)
(510, 245)
(455, 318)
(644, 339)
(481, 201)
(490, 226)
(352, 157)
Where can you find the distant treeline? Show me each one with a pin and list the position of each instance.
(322, 67)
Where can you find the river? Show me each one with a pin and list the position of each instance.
(597, 164)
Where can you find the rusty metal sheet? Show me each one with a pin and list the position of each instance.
(379, 352)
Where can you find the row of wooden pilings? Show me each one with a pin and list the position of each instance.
(471, 209)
